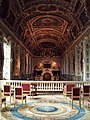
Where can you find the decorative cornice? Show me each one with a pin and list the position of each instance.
(8, 32)
(77, 41)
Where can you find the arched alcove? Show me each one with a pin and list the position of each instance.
(46, 77)
(47, 71)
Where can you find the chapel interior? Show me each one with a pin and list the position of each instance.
(45, 43)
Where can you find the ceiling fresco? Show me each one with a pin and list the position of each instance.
(46, 26)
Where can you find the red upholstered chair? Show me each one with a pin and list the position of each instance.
(26, 89)
(76, 95)
(86, 91)
(19, 94)
(68, 89)
(2, 99)
(7, 91)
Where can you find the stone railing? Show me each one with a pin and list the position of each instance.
(43, 85)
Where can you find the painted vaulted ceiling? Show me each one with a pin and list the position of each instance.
(46, 26)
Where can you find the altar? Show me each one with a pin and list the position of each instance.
(47, 71)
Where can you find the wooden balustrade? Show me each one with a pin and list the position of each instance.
(43, 85)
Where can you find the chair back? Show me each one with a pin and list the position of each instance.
(26, 86)
(18, 91)
(70, 87)
(76, 93)
(26, 89)
(86, 90)
(7, 90)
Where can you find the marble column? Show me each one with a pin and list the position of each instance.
(16, 61)
(86, 58)
(1, 54)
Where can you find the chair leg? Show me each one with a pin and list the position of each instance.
(72, 104)
(88, 105)
(14, 102)
(80, 103)
(10, 99)
(83, 99)
(22, 101)
(14, 105)
(31, 95)
(1, 105)
(5, 103)
(25, 100)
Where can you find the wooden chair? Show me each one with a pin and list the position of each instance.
(7, 91)
(88, 101)
(26, 89)
(86, 91)
(76, 95)
(68, 89)
(2, 100)
(19, 94)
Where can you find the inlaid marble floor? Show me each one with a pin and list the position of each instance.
(46, 107)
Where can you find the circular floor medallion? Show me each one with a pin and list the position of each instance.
(42, 109)
(46, 109)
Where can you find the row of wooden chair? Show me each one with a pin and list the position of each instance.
(76, 93)
(19, 93)
(24, 90)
